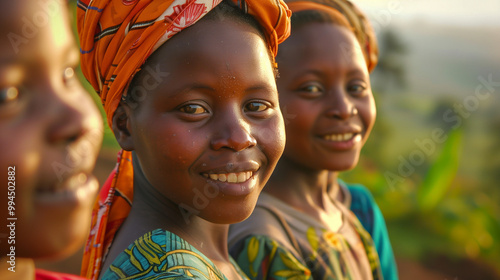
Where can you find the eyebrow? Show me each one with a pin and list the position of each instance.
(358, 71)
(315, 72)
(182, 90)
(266, 87)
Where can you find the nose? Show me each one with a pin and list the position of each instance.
(233, 133)
(340, 106)
(68, 117)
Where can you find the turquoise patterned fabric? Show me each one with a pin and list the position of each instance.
(160, 254)
(264, 247)
(366, 209)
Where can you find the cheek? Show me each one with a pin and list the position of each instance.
(270, 136)
(299, 123)
(19, 150)
(368, 114)
(297, 114)
(168, 149)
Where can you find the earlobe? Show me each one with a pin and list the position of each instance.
(121, 122)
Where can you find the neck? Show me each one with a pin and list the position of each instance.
(304, 187)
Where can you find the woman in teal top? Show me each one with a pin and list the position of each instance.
(302, 227)
(360, 201)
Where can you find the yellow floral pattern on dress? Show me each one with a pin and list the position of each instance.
(324, 252)
(163, 255)
(266, 259)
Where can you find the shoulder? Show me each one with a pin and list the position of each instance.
(262, 257)
(264, 222)
(363, 205)
(360, 195)
(160, 253)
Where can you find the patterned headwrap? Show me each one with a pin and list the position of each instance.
(355, 17)
(116, 37)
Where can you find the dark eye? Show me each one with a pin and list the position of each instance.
(312, 89)
(256, 107)
(357, 88)
(8, 94)
(193, 109)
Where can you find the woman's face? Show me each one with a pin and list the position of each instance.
(208, 131)
(326, 97)
(50, 133)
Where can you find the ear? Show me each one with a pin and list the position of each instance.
(121, 127)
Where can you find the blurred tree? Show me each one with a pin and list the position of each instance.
(391, 66)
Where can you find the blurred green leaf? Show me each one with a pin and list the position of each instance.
(441, 173)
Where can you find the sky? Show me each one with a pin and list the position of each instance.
(453, 12)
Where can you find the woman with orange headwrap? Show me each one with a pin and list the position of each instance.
(326, 98)
(189, 91)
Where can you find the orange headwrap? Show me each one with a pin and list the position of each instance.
(116, 37)
(354, 16)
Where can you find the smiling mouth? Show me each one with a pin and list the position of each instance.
(238, 177)
(340, 137)
(75, 190)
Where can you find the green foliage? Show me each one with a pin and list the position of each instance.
(437, 210)
(441, 174)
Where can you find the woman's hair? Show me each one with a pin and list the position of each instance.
(228, 10)
(224, 11)
(338, 12)
(299, 19)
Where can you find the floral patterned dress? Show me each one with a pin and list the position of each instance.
(160, 254)
(280, 242)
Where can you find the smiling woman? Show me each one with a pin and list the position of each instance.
(302, 226)
(197, 116)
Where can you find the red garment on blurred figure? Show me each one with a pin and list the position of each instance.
(49, 275)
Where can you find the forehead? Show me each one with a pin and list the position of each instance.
(30, 27)
(321, 41)
(224, 40)
(213, 51)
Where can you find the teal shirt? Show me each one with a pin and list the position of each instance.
(160, 254)
(367, 211)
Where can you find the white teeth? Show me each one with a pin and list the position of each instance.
(339, 137)
(222, 177)
(232, 178)
(239, 177)
(242, 177)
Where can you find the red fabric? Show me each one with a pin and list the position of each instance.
(41, 274)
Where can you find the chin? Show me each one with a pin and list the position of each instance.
(236, 213)
(343, 166)
(55, 238)
(48, 248)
